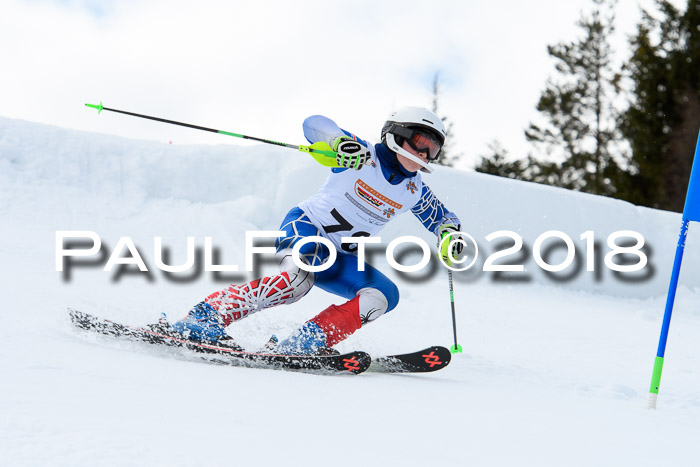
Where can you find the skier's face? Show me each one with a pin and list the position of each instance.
(407, 163)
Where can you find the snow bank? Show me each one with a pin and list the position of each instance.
(549, 376)
(231, 189)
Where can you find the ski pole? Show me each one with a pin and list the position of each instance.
(320, 151)
(455, 348)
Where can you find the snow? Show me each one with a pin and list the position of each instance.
(553, 372)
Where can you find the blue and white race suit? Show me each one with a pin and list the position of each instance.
(358, 203)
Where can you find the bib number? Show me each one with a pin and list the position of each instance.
(343, 226)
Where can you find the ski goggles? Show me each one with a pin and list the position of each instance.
(419, 140)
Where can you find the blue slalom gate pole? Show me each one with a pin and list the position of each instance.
(691, 212)
(670, 298)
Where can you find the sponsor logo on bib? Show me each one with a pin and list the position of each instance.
(375, 199)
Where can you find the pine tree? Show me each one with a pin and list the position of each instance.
(662, 121)
(498, 164)
(447, 156)
(579, 137)
(579, 111)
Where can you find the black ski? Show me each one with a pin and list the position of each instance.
(348, 363)
(424, 361)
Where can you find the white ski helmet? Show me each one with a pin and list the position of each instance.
(408, 122)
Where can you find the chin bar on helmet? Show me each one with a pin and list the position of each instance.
(393, 145)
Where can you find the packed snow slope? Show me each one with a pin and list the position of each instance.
(555, 369)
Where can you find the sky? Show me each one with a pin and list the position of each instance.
(260, 67)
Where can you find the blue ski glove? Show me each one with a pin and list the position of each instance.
(457, 245)
(351, 154)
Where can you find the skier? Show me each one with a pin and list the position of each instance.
(372, 184)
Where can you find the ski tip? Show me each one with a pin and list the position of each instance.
(422, 361)
(443, 353)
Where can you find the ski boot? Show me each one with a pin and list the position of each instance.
(308, 340)
(202, 324)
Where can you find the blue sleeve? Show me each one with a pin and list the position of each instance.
(432, 213)
(319, 128)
